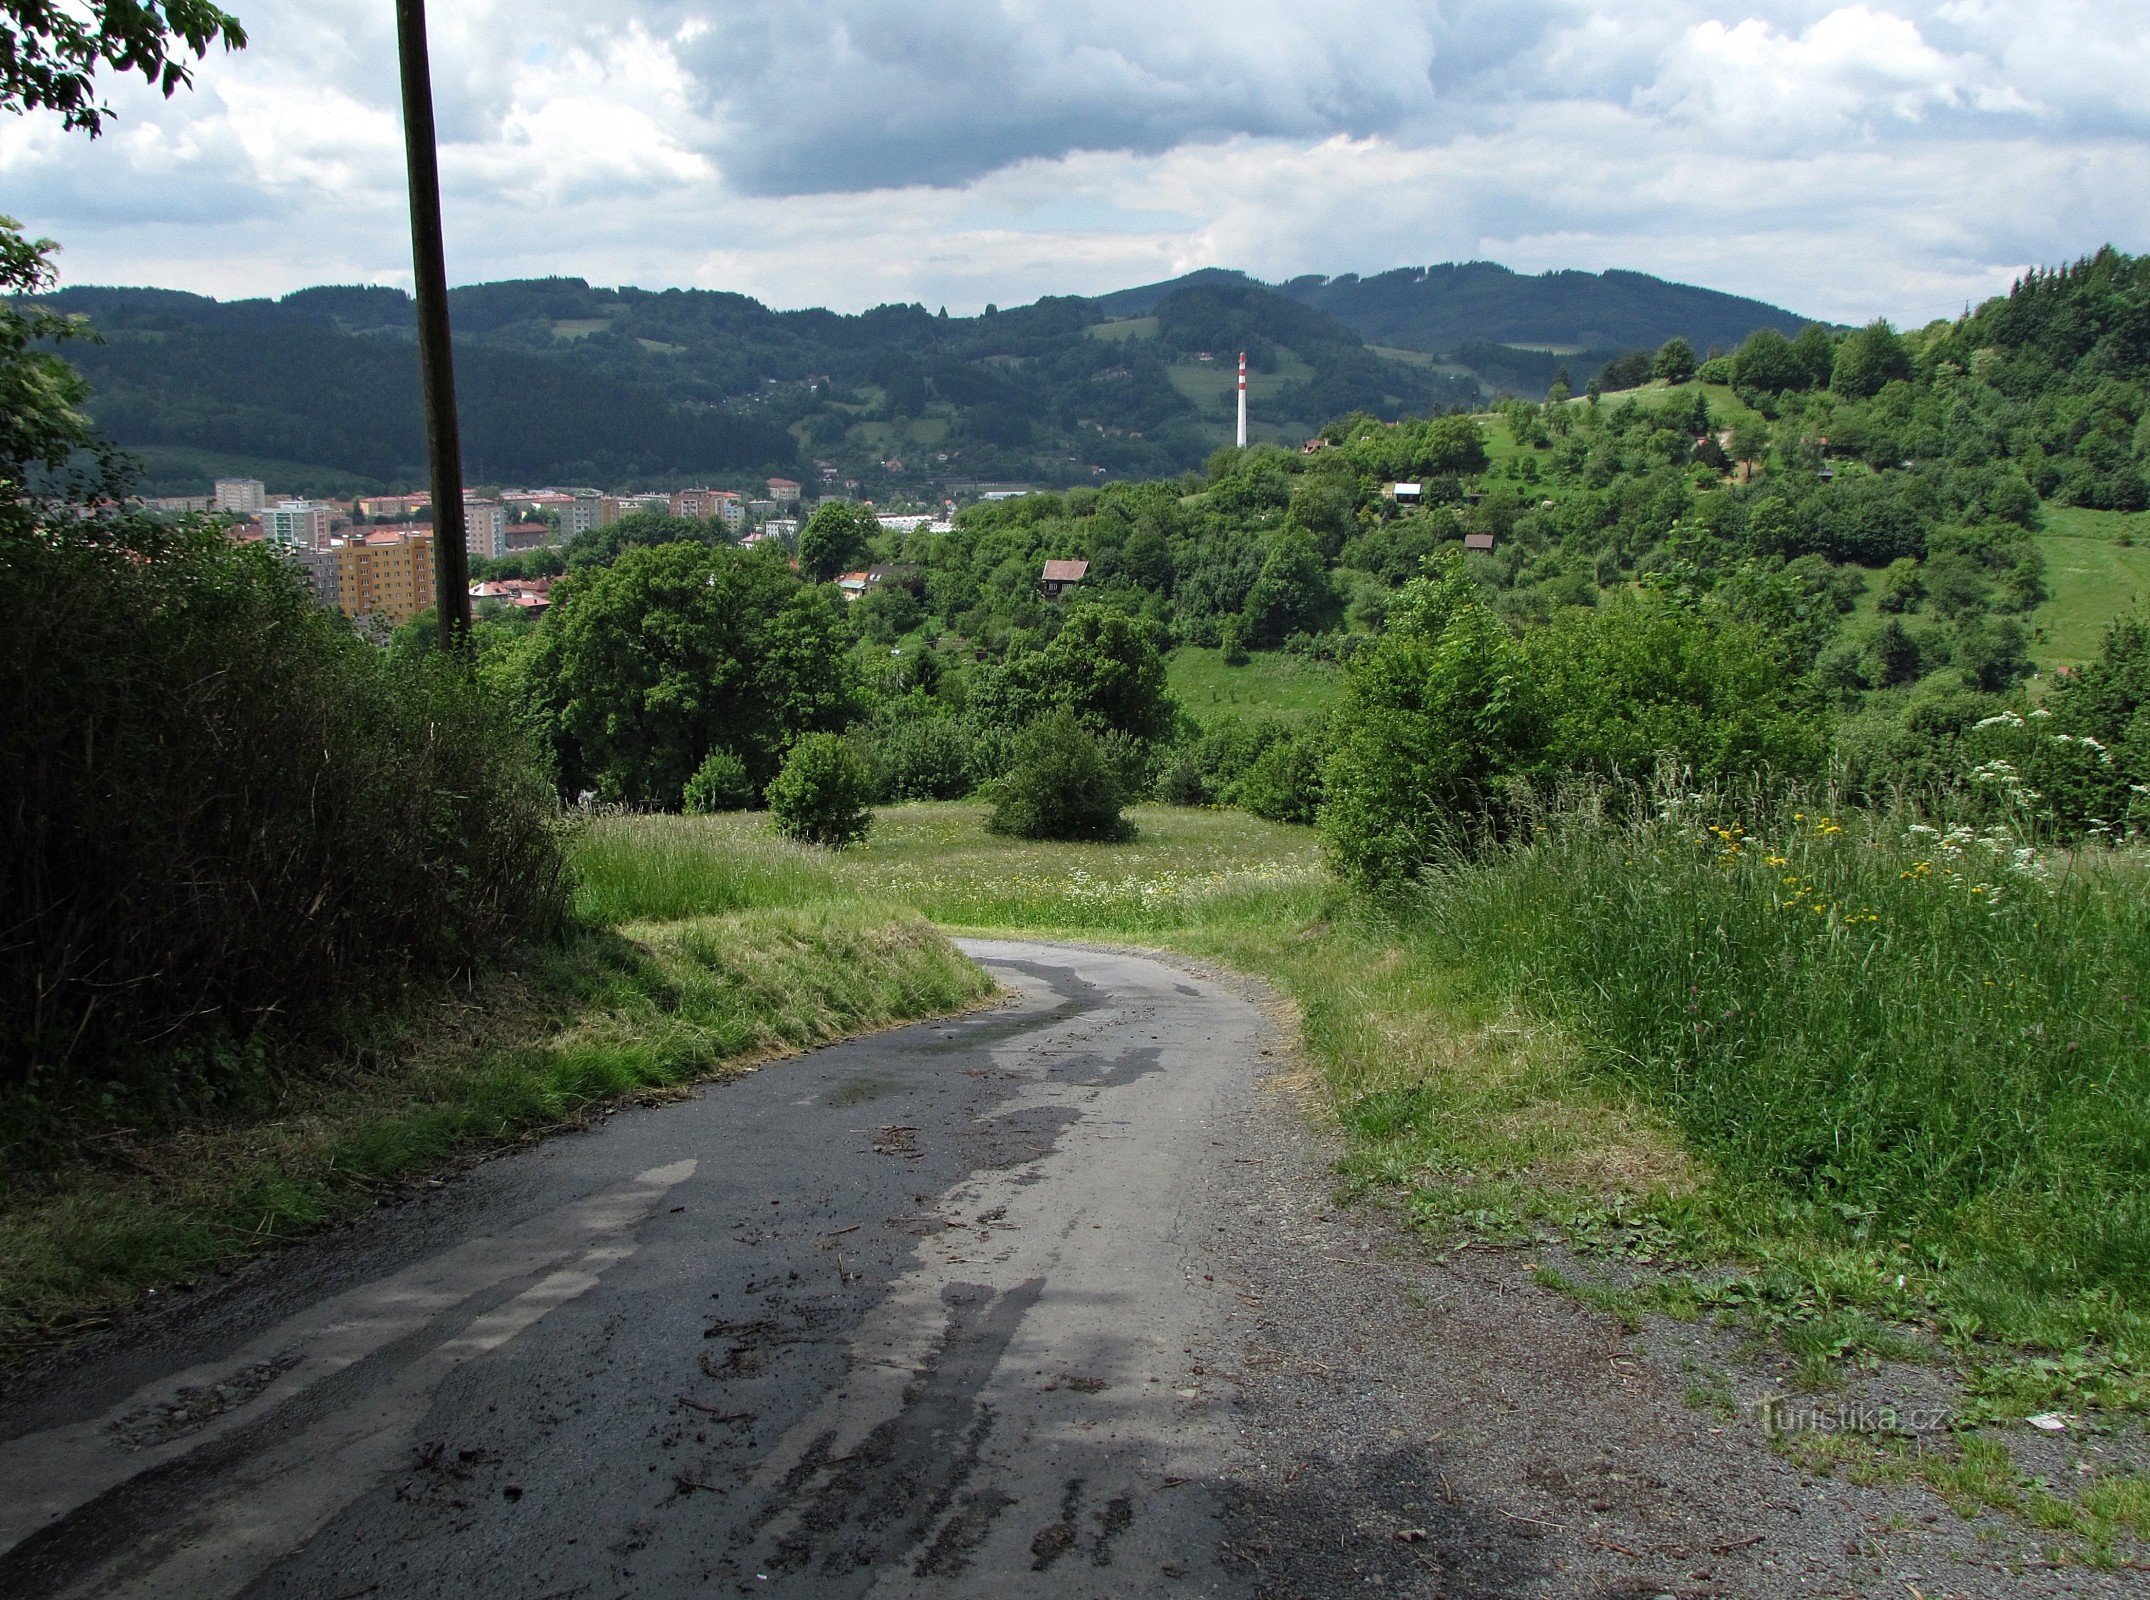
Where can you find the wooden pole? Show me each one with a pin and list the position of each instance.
(436, 356)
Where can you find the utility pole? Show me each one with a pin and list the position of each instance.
(436, 356)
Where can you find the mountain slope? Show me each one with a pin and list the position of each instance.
(1440, 308)
(563, 381)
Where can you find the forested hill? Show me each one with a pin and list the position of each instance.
(1443, 309)
(564, 382)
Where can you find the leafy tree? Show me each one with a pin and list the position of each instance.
(1815, 352)
(1640, 680)
(1102, 667)
(51, 51)
(823, 792)
(42, 427)
(1060, 785)
(637, 530)
(1674, 361)
(1435, 715)
(1868, 358)
(1292, 595)
(1766, 363)
(676, 651)
(836, 539)
(924, 756)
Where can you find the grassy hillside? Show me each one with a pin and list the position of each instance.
(1272, 683)
(2098, 569)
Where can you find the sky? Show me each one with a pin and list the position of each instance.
(1846, 161)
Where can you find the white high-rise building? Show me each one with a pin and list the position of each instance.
(485, 528)
(296, 524)
(241, 494)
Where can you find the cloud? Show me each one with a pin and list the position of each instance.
(1843, 159)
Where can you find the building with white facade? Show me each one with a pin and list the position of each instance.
(295, 524)
(240, 494)
(485, 528)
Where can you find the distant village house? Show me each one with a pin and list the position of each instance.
(1061, 576)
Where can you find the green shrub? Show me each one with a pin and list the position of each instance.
(1434, 717)
(1284, 783)
(820, 796)
(720, 783)
(926, 758)
(230, 818)
(1062, 785)
(1232, 639)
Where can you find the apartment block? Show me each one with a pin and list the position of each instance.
(577, 516)
(323, 572)
(295, 524)
(386, 575)
(240, 494)
(485, 528)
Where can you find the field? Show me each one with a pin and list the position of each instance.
(1272, 683)
(2094, 577)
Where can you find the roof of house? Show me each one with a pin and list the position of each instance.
(1478, 541)
(1066, 571)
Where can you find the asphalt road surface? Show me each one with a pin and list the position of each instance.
(1052, 1299)
(918, 1314)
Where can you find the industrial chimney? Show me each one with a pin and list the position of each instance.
(1242, 399)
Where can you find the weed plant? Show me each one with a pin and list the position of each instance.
(1929, 1042)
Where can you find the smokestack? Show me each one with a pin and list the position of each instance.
(1242, 399)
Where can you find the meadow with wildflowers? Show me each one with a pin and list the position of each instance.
(1928, 1041)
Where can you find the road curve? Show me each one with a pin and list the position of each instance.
(921, 1314)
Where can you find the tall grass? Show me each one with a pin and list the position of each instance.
(1185, 869)
(1902, 1035)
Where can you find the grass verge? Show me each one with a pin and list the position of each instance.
(649, 1007)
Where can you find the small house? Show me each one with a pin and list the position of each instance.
(1061, 576)
(1478, 541)
(1405, 494)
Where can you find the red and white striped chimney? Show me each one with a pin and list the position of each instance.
(1242, 399)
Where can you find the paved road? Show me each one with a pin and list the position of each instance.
(920, 1314)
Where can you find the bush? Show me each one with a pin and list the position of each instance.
(720, 783)
(231, 818)
(926, 758)
(820, 795)
(1284, 784)
(1436, 715)
(1062, 786)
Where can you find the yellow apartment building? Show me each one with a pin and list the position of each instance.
(388, 575)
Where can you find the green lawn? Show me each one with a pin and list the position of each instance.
(2094, 578)
(1272, 683)
(1125, 328)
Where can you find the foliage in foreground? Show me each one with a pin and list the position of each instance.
(1932, 1042)
(231, 818)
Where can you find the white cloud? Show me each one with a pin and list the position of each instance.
(1845, 160)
